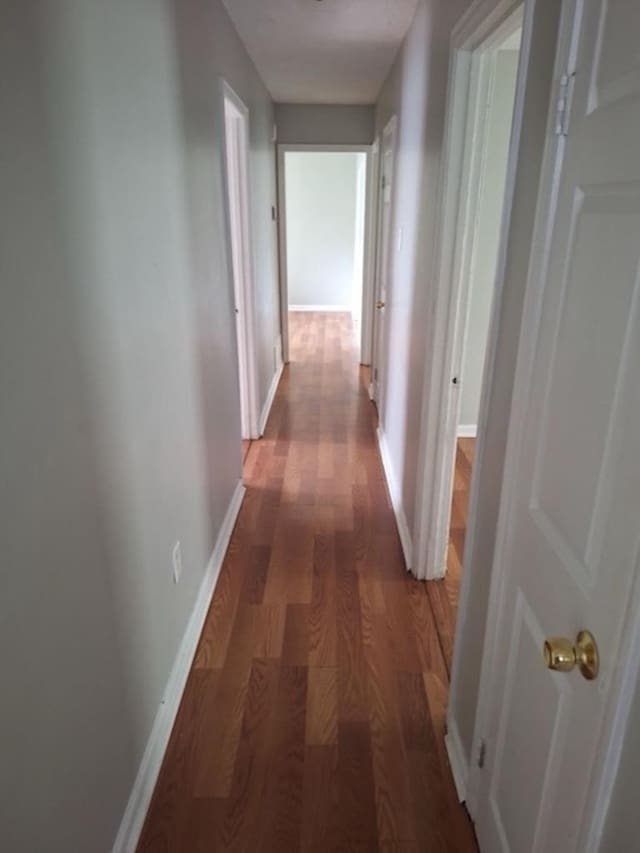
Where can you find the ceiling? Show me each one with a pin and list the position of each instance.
(322, 51)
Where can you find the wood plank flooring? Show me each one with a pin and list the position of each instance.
(443, 594)
(313, 716)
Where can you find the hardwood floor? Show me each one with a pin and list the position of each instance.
(314, 713)
(443, 595)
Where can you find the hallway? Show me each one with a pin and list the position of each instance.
(314, 712)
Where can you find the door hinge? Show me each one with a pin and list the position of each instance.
(482, 752)
(375, 373)
(563, 105)
(384, 182)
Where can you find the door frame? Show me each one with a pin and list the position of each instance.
(390, 129)
(371, 231)
(620, 689)
(243, 291)
(486, 22)
(364, 344)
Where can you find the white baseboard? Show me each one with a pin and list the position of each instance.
(467, 430)
(396, 499)
(459, 766)
(345, 308)
(145, 781)
(266, 409)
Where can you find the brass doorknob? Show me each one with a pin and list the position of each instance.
(561, 655)
(379, 304)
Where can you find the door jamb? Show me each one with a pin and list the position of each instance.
(370, 248)
(368, 266)
(246, 347)
(486, 21)
(390, 129)
(374, 222)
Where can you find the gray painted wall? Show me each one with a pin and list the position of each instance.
(320, 124)
(209, 48)
(487, 235)
(416, 92)
(120, 423)
(320, 190)
(65, 732)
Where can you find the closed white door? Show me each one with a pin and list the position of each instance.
(382, 278)
(233, 183)
(569, 542)
(236, 140)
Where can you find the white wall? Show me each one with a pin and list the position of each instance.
(487, 232)
(321, 210)
(325, 124)
(359, 243)
(120, 416)
(415, 91)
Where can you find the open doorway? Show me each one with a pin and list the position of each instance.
(324, 245)
(236, 158)
(472, 218)
(497, 68)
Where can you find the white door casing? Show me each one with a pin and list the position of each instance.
(483, 27)
(370, 256)
(387, 162)
(236, 167)
(568, 546)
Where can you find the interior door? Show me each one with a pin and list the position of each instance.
(382, 278)
(234, 188)
(569, 546)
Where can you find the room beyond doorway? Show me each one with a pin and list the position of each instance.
(324, 230)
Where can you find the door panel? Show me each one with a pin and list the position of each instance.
(572, 541)
(616, 70)
(588, 352)
(539, 704)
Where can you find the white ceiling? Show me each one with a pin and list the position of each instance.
(327, 52)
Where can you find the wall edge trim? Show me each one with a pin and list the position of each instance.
(268, 403)
(457, 761)
(345, 308)
(396, 498)
(467, 430)
(143, 787)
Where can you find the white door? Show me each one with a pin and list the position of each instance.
(569, 539)
(236, 141)
(233, 179)
(382, 278)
